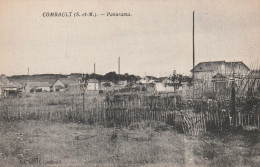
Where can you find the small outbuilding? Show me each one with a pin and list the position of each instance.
(7, 89)
(69, 84)
(93, 84)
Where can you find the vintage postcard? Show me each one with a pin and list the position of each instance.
(129, 83)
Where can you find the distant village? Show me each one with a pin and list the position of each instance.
(213, 76)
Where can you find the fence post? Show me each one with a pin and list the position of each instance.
(239, 119)
(221, 121)
(258, 127)
(251, 120)
(104, 114)
(230, 119)
(247, 119)
(204, 123)
(20, 112)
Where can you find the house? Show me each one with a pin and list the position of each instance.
(33, 87)
(7, 89)
(93, 84)
(77, 76)
(123, 83)
(147, 79)
(205, 71)
(22, 80)
(70, 84)
(167, 81)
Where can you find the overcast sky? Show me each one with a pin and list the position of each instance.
(155, 40)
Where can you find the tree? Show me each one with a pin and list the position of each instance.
(111, 76)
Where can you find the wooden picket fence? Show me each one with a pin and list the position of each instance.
(106, 116)
(190, 123)
(220, 121)
(246, 119)
(194, 124)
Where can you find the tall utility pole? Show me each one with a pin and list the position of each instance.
(28, 74)
(193, 30)
(95, 75)
(193, 53)
(233, 92)
(94, 68)
(119, 67)
(83, 87)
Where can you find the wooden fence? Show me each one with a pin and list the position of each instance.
(245, 119)
(194, 124)
(189, 122)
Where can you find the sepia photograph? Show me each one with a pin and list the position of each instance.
(124, 83)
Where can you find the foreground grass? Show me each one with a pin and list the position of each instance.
(32, 143)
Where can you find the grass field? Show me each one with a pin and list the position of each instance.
(50, 142)
(41, 143)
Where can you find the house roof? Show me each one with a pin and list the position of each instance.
(9, 86)
(161, 79)
(24, 79)
(208, 66)
(92, 81)
(167, 80)
(75, 75)
(218, 75)
(38, 84)
(236, 64)
(68, 81)
(17, 84)
(215, 65)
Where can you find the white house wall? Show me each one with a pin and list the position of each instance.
(159, 87)
(91, 86)
(45, 89)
